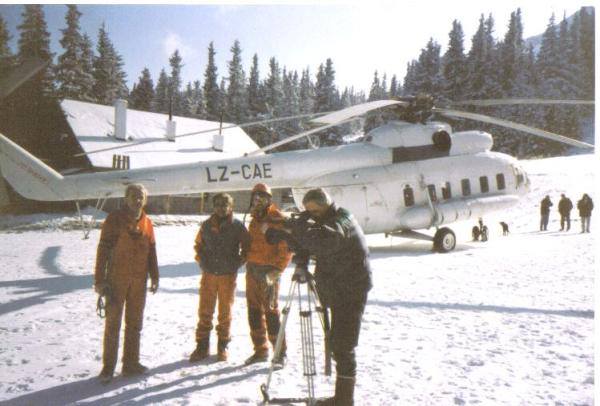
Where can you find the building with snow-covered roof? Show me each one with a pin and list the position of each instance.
(93, 126)
(67, 134)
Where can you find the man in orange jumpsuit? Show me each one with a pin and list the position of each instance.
(265, 264)
(126, 257)
(221, 246)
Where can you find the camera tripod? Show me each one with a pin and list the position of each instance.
(306, 307)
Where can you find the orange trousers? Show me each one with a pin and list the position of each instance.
(131, 297)
(263, 308)
(215, 288)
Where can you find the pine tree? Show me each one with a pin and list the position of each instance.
(454, 64)
(394, 91)
(274, 89)
(72, 72)
(237, 101)
(109, 77)
(325, 91)
(161, 102)
(87, 67)
(307, 93)
(34, 42)
(428, 75)
(256, 105)
(212, 97)
(410, 79)
(174, 92)
(512, 57)
(197, 108)
(375, 118)
(6, 56)
(587, 37)
(142, 94)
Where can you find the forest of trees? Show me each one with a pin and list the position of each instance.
(562, 67)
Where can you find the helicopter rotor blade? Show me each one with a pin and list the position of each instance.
(503, 102)
(215, 129)
(515, 126)
(331, 120)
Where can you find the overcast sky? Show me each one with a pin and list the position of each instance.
(360, 37)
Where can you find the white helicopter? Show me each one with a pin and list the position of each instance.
(401, 178)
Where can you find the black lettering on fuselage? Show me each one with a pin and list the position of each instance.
(208, 177)
(257, 173)
(246, 171)
(223, 177)
(267, 170)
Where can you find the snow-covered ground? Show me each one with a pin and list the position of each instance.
(509, 321)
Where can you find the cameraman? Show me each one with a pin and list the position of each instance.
(342, 277)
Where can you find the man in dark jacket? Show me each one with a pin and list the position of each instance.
(585, 206)
(221, 247)
(342, 276)
(545, 205)
(564, 209)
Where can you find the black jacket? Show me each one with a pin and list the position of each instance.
(221, 245)
(564, 206)
(342, 273)
(545, 205)
(585, 207)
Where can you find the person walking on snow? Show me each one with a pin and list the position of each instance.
(265, 265)
(585, 206)
(564, 209)
(545, 205)
(125, 258)
(221, 245)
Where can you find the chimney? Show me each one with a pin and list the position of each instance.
(171, 130)
(218, 139)
(121, 119)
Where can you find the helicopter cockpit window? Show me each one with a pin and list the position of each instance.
(500, 181)
(483, 184)
(466, 187)
(446, 191)
(409, 196)
(432, 194)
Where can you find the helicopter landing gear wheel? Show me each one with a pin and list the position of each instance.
(444, 240)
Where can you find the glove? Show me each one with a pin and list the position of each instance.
(153, 286)
(101, 287)
(301, 274)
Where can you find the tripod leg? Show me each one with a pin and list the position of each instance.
(280, 336)
(325, 324)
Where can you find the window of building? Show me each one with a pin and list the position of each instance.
(409, 196)
(500, 181)
(466, 187)
(484, 184)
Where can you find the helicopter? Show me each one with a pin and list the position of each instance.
(406, 175)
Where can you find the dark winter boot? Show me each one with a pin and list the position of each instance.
(106, 375)
(344, 393)
(344, 390)
(258, 356)
(222, 349)
(201, 351)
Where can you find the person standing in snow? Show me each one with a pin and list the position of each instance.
(585, 206)
(265, 265)
(564, 209)
(221, 246)
(545, 205)
(342, 278)
(125, 258)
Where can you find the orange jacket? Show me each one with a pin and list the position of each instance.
(261, 252)
(130, 247)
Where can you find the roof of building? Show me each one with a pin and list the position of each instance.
(93, 126)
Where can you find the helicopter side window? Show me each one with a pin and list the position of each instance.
(466, 187)
(500, 181)
(432, 194)
(409, 196)
(483, 184)
(446, 191)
